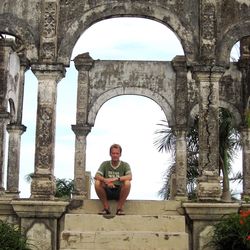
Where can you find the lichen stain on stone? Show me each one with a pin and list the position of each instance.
(166, 237)
(66, 236)
(126, 239)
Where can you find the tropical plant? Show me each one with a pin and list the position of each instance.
(232, 232)
(166, 141)
(229, 144)
(229, 138)
(11, 237)
(64, 187)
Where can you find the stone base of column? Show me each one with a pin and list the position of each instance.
(12, 194)
(245, 196)
(175, 192)
(79, 196)
(209, 187)
(43, 187)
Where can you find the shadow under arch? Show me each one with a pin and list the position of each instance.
(12, 110)
(223, 104)
(22, 30)
(163, 103)
(229, 38)
(184, 33)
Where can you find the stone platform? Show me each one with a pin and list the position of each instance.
(147, 225)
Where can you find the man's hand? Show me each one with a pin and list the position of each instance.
(109, 182)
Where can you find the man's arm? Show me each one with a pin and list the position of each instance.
(107, 181)
(125, 178)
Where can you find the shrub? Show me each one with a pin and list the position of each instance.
(233, 232)
(11, 237)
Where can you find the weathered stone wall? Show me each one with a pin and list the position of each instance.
(155, 80)
(198, 83)
(224, 22)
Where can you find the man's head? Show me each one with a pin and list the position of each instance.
(117, 146)
(115, 152)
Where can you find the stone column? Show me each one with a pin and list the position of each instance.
(83, 64)
(181, 103)
(181, 164)
(43, 180)
(244, 67)
(209, 187)
(4, 119)
(246, 161)
(81, 132)
(15, 132)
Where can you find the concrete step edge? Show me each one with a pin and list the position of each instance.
(122, 232)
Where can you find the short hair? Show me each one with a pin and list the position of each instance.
(115, 146)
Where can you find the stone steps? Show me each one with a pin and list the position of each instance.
(143, 240)
(132, 207)
(147, 225)
(92, 222)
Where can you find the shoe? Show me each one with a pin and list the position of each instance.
(105, 211)
(120, 212)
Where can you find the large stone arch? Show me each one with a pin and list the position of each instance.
(185, 33)
(232, 35)
(162, 102)
(17, 27)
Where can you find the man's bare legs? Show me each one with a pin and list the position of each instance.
(101, 193)
(125, 189)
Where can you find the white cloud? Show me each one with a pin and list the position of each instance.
(129, 38)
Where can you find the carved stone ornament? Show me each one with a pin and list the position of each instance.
(49, 25)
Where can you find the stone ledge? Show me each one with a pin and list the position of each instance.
(141, 207)
(38, 209)
(200, 211)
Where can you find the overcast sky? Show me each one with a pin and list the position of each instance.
(128, 120)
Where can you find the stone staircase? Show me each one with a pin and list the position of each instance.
(147, 225)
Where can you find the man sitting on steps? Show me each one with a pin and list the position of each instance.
(112, 181)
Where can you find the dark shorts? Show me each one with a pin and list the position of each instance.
(113, 193)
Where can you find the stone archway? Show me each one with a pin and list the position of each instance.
(184, 32)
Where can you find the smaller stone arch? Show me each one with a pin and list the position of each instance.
(229, 38)
(233, 110)
(223, 104)
(23, 32)
(162, 102)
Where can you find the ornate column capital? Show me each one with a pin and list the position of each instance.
(42, 71)
(83, 62)
(81, 129)
(16, 128)
(4, 115)
(179, 63)
(208, 73)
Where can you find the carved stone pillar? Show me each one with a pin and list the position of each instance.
(209, 187)
(246, 161)
(4, 119)
(48, 34)
(244, 67)
(43, 181)
(181, 97)
(15, 132)
(181, 165)
(81, 132)
(83, 64)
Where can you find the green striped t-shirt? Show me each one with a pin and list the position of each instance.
(107, 171)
